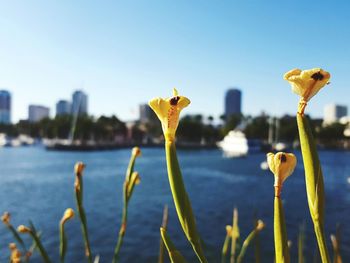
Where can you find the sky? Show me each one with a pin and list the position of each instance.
(123, 53)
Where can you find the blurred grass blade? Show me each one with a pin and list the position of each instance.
(246, 243)
(301, 239)
(280, 233)
(314, 183)
(174, 255)
(182, 201)
(226, 244)
(234, 235)
(257, 243)
(164, 226)
(97, 259)
(336, 246)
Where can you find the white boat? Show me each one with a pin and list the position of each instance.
(4, 141)
(235, 144)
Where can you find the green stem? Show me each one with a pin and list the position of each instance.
(40, 247)
(174, 255)
(63, 242)
(181, 200)
(280, 233)
(235, 235)
(314, 183)
(82, 216)
(245, 245)
(121, 233)
(164, 226)
(301, 245)
(321, 241)
(225, 248)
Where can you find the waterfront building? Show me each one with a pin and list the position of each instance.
(5, 107)
(147, 115)
(79, 103)
(37, 113)
(63, 107)
(233, 99)
(333, 113)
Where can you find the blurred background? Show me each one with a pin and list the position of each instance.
(75, 80)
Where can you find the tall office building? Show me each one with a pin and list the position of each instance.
(147, 115)
(5, 107)
(233, 99)
(79, 103)
(63, 107)
(37, 113)
(333, 112)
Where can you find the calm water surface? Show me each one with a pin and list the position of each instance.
(38, 185)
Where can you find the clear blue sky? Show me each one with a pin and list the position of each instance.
(123, 53)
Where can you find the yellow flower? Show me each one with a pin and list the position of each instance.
(68, 214)
(5, 218)
(168, 111)
(281, 165)
(307, 83)
(23, 229)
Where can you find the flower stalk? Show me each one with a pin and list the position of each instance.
(6, 219)
(226, 244)
(282, 166)
(168, 111)
(234, 235)
(260, 226)
(68, 214)
(131, 179)
(32, 232)
(164, 226)
(78, 189)
(174, 255)
(307, 84)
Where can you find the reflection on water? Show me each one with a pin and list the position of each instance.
(38, 185)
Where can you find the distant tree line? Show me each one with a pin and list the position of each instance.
(192, 128)
(102, 128)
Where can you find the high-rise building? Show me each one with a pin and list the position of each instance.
(37, 113)
(333, 112)
(233, 99)
(147, 115)
(63, 107)
(79, 103)
(5, 107)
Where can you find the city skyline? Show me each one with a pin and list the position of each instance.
(123, 56)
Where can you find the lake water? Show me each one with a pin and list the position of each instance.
(38, 185)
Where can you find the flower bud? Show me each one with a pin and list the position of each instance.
(260, 225)
(5, 218)
(79, 168)
(68, 214)
(136, 151)
(282, 166)
(23, 229)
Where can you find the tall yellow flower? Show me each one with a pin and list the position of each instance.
(307, 83)
(168, 111)
(282, 166)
